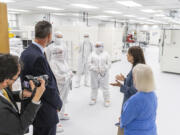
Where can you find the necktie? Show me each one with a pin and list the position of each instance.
(6, 95)
(45, 55)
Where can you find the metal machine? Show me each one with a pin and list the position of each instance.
(170, 51)
(16, 46)
(143, 38)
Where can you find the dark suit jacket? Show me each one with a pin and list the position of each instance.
(11, 121)
(36, 64)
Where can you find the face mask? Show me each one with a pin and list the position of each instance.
(86, 39)
(58, 41)
(101, 49)
(98, 50)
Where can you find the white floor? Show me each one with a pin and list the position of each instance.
(98, 120)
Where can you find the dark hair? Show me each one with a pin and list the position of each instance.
(42, 29)
(9, 66)
(138, 56)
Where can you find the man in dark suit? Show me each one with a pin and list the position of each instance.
(36, 64)
(11, 121)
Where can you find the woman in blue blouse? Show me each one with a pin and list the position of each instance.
(135, 56)
(139, 112)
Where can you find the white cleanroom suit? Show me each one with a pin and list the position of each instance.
(85, 50)
(99, 65)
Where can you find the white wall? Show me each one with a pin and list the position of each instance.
(29, 19)
(112, 38)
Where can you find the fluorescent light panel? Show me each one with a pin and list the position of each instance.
(7, 1)
(154, 21)
(10, 12)
(167, 18)
(84, 6)
(112, 12)
(75, 14)
(160, 15)
(129, 16)
(146, 22)
(141, 18)
(100, 17)
(17, 10)
(103, 16)
(67, 14)
(148, 11)
(129, 3)
(59, 14)
(13, 12)
(160, 11)
(49, 8)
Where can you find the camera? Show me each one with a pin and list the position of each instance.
(35, 80)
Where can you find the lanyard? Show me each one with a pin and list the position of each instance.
(1, 94)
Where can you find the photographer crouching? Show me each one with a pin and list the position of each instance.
(11, 121)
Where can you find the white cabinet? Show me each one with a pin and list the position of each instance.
(170, 51)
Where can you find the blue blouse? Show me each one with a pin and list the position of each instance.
(128, 88)
(139, 114)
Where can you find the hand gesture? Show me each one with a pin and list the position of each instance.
(120, 77)
(118, 84)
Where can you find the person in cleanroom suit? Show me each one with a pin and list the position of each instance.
(85, 50)
(16, 48)
(63, 76)
(58, 41)
(99, 65)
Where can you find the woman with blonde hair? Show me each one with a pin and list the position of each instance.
(139, 112)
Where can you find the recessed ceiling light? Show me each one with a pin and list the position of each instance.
(13, 13)
(129, 3)
(59, 14)
(150, 23)
(160, 15)
(17, 10)
(142, 18)
(67, 14)
(112, 12)
(138, 22)
(154, 21)
(84, 6)
(159, 11)
(148, 11)
(100, 16)
(129, 16)
(7, 1)
(49, 8)
(75, 14)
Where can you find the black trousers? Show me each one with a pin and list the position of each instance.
(44, 130)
